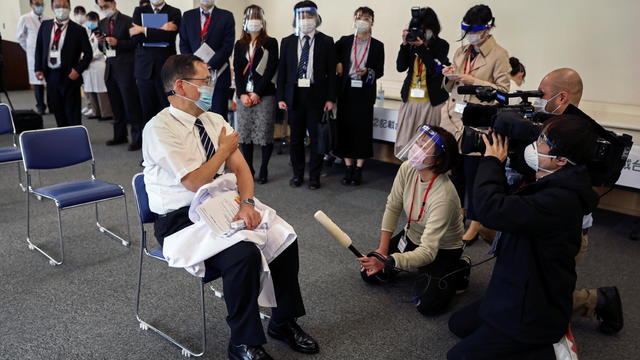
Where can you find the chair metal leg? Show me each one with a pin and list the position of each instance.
(22, 187)
(220, 294)
(109, 232)
(32, 246)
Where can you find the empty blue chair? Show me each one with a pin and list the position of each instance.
(59, 148)
(9, 154)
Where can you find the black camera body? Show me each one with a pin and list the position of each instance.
(415, 29)
(523, 126)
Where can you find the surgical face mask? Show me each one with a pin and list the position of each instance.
(362, 26)
(254, 26)
(62, 14)
(157, 2)
(540, 105)
(92, 25)
(38, 10)
(532, 158)
(474, 38)
(107, 13)
(206, 96)
(417, 157)
(207, 3)
(307, 25)
(428, 34)
(80, 19)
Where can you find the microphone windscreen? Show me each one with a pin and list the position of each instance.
(332, 228)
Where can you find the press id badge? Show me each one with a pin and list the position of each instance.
(54, 54)
(356, 83)
(250, 86)
(304, 83)
(402, 244)
(417, 93)
(459, 108)
(111, 53)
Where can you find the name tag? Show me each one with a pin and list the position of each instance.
(417, 93)
(111, 53)
(54, 54)
(304, 83)
(402, 245)
(250, 86)
(356, 83)
(459, 108)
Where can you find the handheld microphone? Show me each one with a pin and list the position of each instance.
(336, 232)
(474, 89)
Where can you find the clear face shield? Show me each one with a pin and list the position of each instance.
(254, 20)
(306, 20)
(422, 149)
(362, 23)
(473, 34)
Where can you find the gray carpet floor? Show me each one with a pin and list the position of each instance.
(85, 309)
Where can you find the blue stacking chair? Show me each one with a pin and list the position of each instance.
(59, 148)
(9, 154)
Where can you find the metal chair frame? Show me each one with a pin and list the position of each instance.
(15, 142)
(102, 229)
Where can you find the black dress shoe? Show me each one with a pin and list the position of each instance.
(116, 142)
(262, 180)
(246, 352)
(314, 184)
(610, 312)
(134, 147)
(292, 334)
(295, 181)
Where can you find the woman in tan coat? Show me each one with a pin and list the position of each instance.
(481, 61)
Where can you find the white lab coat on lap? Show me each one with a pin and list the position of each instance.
(93, 77)
(27, 35)
(191, 246)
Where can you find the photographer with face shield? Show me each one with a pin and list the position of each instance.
(306, 88)
(528, 303)
(431, 241)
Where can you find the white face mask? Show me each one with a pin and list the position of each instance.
(62, 14)
(428, 34)
(531, 157)
(108, 13)
(417, 157)
(307, 26)
(254, 26)
(207, 3)
(540, 105)
(474, 38)
(80, 19)
(157, 2)
(362, 26)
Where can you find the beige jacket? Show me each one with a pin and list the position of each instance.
(491, 68)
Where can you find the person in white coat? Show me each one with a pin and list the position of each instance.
(94, 85)
(27, 33)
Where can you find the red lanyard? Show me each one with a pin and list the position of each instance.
(466, 63)
(203, 30)
(251, 57)
(420, 66)
(355, 53)
(111, 25)
(424, 200)
(57, 35)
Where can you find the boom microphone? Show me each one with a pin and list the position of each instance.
(336, 232)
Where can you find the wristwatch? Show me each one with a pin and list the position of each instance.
(249, 201)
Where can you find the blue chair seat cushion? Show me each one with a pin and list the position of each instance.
(80, 192)
(9, 154)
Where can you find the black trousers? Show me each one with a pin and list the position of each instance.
(152, 97)
(63, 96)
(303, 116)
(38, 91)
(125, 103)
(239, 266)
(463, 177)
(481, 341)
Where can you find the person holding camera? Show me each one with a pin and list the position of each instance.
(422, 55)
(528, 304)
(93, 78)
(481, 62)
(431, 241)
(360, 60)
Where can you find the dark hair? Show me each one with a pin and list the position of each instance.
(479, 15)
(144, 2)
(306, 3)
(92, 15)
(365, 10)
(573, 137)
(447, 159)
(245, 39)
(109, 1)
(517, 67)
(68, 2)
(429, 20)
(79, 9)
(178, 67)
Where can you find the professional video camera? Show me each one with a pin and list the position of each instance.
(415, 29)
(523, 126)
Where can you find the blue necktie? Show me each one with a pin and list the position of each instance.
(304, 58)
(209, 149)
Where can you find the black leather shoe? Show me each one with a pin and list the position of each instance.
(246, 352)
(610, 313)
(292, 334)
(295, 181)
(314, 184)
(134, 147)
(116, 142)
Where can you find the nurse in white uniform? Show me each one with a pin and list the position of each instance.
(94, 85)
(27, 33)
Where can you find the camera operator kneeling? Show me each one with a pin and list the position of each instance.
(528, 304)
(431, 242)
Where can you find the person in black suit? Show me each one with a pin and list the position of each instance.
(153, 47)
(306, 86)
(360, 64)
(255, 64)
(63, 52)
(422, 56)
(214, 27)
(121, 85)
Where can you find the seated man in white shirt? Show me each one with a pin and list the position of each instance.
(184, 147)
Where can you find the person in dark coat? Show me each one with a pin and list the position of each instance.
(360, 60)
(528, 304)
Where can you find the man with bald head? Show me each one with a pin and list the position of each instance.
(562, 90)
